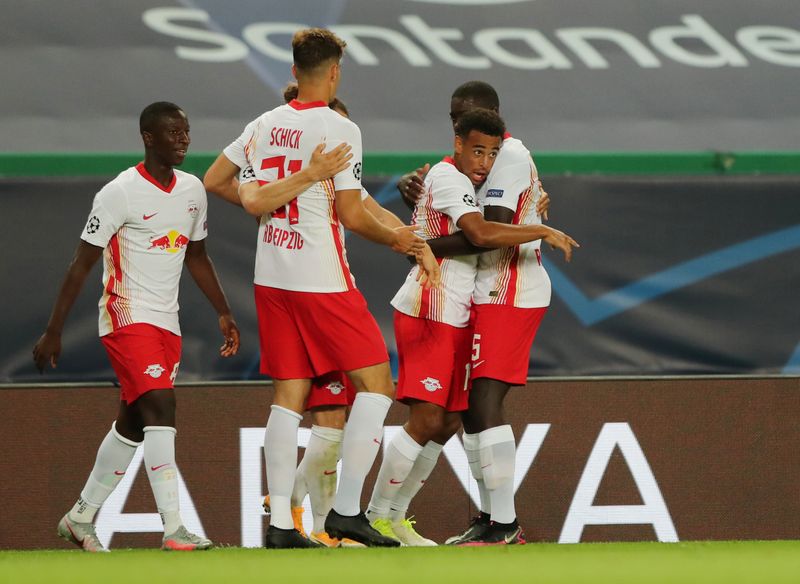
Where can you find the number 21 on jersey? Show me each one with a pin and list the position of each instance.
(279, 162)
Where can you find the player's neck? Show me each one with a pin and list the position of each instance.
(158, 170)
(309, 92)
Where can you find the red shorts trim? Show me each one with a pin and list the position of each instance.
(433, 360)
(307, 334)
(144, 357)
(502, 341)
(331, 389)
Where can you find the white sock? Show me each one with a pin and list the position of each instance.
(113, 457)
(362, 439)
(319, 471)
(473, 451)
(280, 452)
(498, 455)
(300, 489)
(398, 460)
(423, 467)
(159, 459)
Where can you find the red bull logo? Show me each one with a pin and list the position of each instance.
(172, 242)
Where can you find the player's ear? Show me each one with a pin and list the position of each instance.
(147, 138)
(294, 71)
(458, 144)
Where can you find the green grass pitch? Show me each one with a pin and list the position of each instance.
(617, 563)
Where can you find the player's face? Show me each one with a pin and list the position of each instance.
(169, 141)
(475, 155)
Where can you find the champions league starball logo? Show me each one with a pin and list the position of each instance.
(357, 171)
(93, 225)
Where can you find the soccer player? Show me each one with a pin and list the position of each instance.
(512, 293)
(312, 318)
(432, 327)
(147, 223)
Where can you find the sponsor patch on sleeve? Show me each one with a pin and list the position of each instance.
(497, 193)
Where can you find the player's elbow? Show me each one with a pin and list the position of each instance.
(480, 237)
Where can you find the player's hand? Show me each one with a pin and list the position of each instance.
(406, 241)
(231, 334)
(412, 185)
(429, 274)
(47, 350)
(543, 204)
(324, 165)
(560, 240)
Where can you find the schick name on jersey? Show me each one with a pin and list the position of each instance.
(285, 137)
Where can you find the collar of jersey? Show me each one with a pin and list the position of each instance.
(149, 177)
(449, 160)
(308, 105)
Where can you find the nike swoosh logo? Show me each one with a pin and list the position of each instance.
(155, 468)
(146, 217)
(376, 441)
(487, 466)
(329, 472)
(394, 482)
(478, 363)
(119, 473)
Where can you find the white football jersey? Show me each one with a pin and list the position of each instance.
(448, 196)
(144, 229)
(513, 276)
(301, 246)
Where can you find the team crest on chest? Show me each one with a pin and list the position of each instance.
(194, 209)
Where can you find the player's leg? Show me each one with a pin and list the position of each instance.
(498, 364)
(318, 471)
(362, 439)
(285, 358)
(280, 452)
(402, 526)
(111, 463)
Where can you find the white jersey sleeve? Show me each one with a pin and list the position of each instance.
(239, 150)
(347, 132)
(200, 226)
(508, 183)
(455, 196)
(108, 214)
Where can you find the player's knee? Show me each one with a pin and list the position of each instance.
(157, 408)
(329, 416)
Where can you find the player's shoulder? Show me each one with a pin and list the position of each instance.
(121, 183)
(513, 152)
(446, 172)
(188, 179)
(336, 121)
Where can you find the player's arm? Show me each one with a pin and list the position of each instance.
(48, 347)
(205, 276)
(260, 199)
(382, 214)
(491, 234)
(355, 217)
(221, 179)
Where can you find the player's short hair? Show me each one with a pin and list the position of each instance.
(478, 92)
(481, 120)
(154, 112)
(290, 92)
(312, 47)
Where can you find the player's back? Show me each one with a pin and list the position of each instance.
(301, 246)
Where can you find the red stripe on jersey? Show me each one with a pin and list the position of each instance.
(308, 105)
(149, 178)
(513, 267)
(116, 276)
(337, 234)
